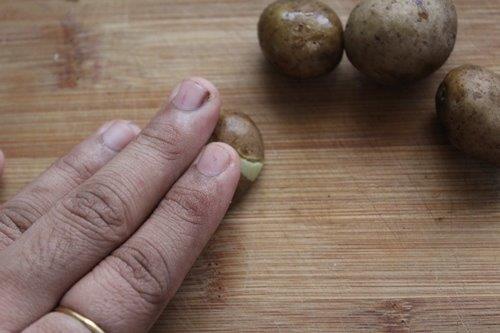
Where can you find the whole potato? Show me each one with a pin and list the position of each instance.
(400, 41)
(239, 131)
(302, 38)
(468, 105)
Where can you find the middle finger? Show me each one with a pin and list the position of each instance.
(99, 215)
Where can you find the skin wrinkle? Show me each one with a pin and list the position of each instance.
(15, 218)
(161, 256)
(160, 273)
(166, 142)
(52, 246)
(187, 204)
(91, 208)
(95, 242)
(27, 209)
(125, 182)
(75, 170)
(60, 178)
(156, 160)
(116, 294)
(133, 261)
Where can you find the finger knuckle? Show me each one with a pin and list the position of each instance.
(100, 210)
(165, 140)
(188, 205)
(74, 167)
(144, 269)
(18, 215)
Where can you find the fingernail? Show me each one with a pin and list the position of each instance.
(136, 129)
(189, 96)
(104, 127)
(119, 134)
(214, 160)
(108, 124)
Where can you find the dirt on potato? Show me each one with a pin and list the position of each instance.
(239, 131)
(400, 41)
(468, 105)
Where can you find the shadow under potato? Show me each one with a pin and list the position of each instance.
(345, 105)
(346, 110)
(471, 183)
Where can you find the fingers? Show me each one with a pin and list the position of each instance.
(19, 213)
(128, 290)
(95, 218)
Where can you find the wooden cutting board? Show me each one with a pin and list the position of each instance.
(365, 218)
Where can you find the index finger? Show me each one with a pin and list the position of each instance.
(103, 212)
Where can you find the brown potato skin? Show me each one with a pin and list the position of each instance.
(302, 38)
(468, 105)
(394, 42)
(239, 131)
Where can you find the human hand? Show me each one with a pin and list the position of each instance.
(111, 229)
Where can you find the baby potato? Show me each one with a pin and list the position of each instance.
(302, 38)
(395, 42)
(239, 131)
(468, 105)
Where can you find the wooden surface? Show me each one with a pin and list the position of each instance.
(365, 218)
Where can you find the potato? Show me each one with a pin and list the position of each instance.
(302, 38)
(400, 41)
(468, 105)
(239, 131)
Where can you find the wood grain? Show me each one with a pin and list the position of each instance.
(365, 218)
